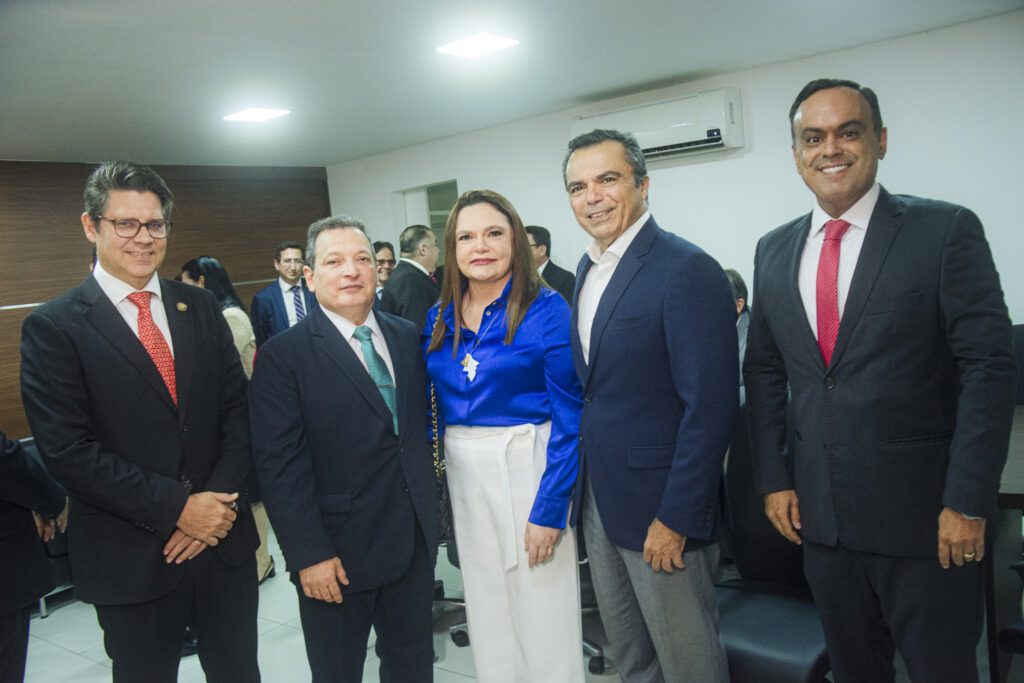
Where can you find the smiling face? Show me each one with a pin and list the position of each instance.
(344, 276)
(603, 194)
(483, 243)
(130, 259)
(836, 148)
(385, 264)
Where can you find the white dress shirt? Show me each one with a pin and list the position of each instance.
(289, 299)
(118, 290)
(858, 217)
(597, 278)
(348, 331)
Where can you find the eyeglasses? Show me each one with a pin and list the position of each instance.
(386, 262)
(292, 262)
(129, 227)
(536, 245)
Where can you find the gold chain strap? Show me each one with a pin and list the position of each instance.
(438, 465)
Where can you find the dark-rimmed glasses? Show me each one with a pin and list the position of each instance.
(129, 227)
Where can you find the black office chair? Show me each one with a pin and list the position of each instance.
(767, 620)
(1011, 637)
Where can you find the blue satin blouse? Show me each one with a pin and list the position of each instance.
(532, 380)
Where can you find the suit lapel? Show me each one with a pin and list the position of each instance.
(793, 249)
(625, 271)
(330, 342)
(181, 321)
(882, 229)
(577, 348)
(104, 317)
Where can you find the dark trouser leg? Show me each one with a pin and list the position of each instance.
(14, 644)
(403, 621)
(226, 603)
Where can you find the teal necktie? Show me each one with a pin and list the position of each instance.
(378, 371)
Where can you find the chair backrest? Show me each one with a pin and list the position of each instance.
(761, 554)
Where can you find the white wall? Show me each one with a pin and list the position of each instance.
(952, 100)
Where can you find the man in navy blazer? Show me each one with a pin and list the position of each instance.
(273, 307)
(654, 342)
(344, 462)
(901, 407)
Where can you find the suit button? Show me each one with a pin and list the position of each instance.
(405, 487)
(830, 383)
(588, 397)
(184, 429)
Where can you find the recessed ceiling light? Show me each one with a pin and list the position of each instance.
(475, 46)
(254, 114)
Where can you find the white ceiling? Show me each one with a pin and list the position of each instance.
(87, 80)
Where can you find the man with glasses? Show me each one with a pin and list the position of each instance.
(136, 396)
(286, 301)
(558, 279)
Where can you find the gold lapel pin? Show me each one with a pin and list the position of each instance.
(182, 306)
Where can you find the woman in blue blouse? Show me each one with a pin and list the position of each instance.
(498, 352)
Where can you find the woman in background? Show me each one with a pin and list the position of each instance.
(208, 273)
(498, 353)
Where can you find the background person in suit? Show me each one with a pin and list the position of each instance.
(654, 344)
(134, 391)
(739, 293)
(25, 487)
(281, 304)
(559, 279)
(384, 252)
(412, 288)
(344, 460)
(898, 353)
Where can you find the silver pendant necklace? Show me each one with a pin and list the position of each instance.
(469, 364)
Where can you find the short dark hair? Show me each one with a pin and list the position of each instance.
(215, 279)
(124, 175)
(377, 246)
(332, 223)
(412, 237)
(540, 235)
(739, 287)
(288, 245)
(634, 153)
(820, 84)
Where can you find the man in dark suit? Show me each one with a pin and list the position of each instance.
(654, 342)
(739, 293)
(134, 391)
(412, 288)
(884, 316)
(559, 279)
(25, 487)
(344, 460)
(284, 302)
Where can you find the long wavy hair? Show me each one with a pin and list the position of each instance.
(215, 278)
(525, 279)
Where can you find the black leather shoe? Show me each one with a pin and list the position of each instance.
(189, 646)
(271, 573)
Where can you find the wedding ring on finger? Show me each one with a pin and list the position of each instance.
(969, 556)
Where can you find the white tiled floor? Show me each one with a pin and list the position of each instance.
(67, 646)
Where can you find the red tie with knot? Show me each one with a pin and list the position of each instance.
(828, 288)
(153, 340)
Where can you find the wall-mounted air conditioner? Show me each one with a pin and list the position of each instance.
(706, 122)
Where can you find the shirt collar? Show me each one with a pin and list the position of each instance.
(117, 289)
(500, 302)
(858, 215)
(348, 328)
(414, 263)
(287, 288)
(621, 243)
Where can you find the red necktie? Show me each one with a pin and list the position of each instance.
(153, 340)
(828, 288)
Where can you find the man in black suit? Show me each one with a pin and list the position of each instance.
(884, 316)
(134, 391)
(24, 572)
(341, 446)
(558, 279)
(412, 288)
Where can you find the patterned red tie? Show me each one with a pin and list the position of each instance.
(153, 340)
(828, 288)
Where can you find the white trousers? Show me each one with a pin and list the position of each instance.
(524, 624)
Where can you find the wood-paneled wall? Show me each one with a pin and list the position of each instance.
(236, 214)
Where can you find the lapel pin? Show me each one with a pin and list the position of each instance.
(182, 306)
